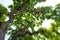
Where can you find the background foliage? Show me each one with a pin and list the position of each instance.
(29, 17)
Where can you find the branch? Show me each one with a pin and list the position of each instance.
(28, 34)
(11, 17)
(1, 14)
(20, 30)
(25, 34)
(17, 32)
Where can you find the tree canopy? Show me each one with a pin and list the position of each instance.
(23, 16)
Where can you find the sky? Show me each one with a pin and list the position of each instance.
(46, 3)
(6, 3)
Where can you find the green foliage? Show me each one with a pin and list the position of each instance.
(4, 12)
(32, 17)
(20, 2)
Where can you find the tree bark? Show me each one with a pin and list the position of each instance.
(4, 25)
(1, 35)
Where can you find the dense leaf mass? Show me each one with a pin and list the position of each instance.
(23, 18)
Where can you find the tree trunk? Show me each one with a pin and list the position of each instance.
(3, 25)
(1, 35)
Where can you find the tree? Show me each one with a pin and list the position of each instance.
(23, 16)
